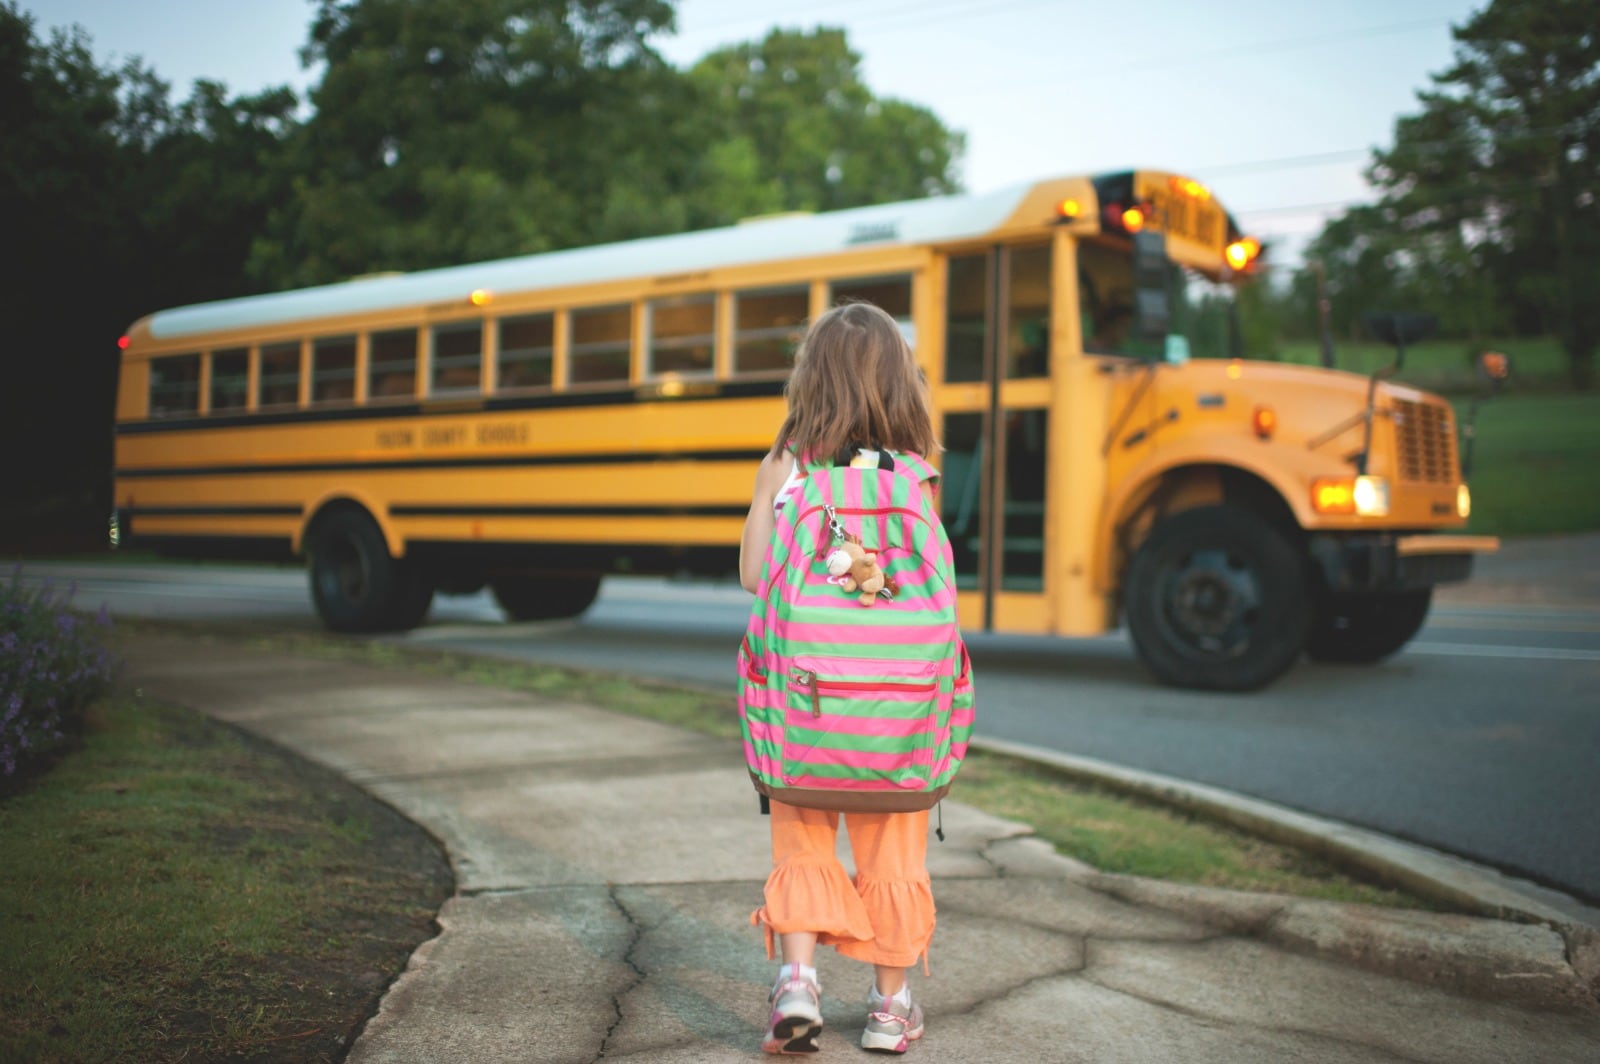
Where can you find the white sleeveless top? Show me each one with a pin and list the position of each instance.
(864, 459)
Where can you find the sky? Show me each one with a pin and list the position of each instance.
(1275, 104)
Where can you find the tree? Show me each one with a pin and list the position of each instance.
(114, 203)
(448, 131)
(1494, 188)
(799, 130)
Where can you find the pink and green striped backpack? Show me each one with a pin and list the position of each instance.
(846, 706)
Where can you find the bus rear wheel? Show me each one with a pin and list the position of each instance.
(356, 585)
(1216, 598)
(544, 598)
(1364, 629)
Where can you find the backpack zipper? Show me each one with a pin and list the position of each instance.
(807, 678)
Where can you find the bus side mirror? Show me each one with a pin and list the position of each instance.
(1494, 367)
(1152, 295)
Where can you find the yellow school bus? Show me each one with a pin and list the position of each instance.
(533, 424)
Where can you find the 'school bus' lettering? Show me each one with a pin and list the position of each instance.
(533, 424)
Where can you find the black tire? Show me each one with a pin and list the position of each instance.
(1364, 629)
(356, 585)
(1217, 598)
(527, 597)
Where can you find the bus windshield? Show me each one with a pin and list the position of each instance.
(1203, 322)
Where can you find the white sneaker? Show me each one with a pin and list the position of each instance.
(796, 1021)
(891, 1026)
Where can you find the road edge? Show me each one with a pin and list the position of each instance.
(1426, 872)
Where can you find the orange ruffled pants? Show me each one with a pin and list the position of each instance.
(883, 916)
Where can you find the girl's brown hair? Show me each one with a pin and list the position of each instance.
(856, 384)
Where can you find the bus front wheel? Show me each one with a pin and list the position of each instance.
(1363, 629)
(544, 598)
(356, 585)
(1217, 598)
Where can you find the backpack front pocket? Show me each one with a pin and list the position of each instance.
(860, 724)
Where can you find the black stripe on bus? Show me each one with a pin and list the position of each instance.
(459, 462)
(213, 511)
(568, 511)
(449, 407)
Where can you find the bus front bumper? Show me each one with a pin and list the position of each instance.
(1387, 561)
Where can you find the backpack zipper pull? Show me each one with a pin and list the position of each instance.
(809, 679)
(833, 524)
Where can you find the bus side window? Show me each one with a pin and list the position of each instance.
(682, 334)
(526, 352)
(280, 375)
(966, 317)
(175, 385)
(457, 358)
(392, 372)
(1028, 315)
(890, 294)
(333, 370)
(230, 379)
(1105, 285)
(767, 324)
(602, 338)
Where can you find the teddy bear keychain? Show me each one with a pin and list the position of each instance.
(855, 568)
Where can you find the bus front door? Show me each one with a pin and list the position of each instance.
(995, 405)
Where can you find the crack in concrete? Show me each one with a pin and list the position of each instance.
(640, 975)
(988, 859)
(990, 1000)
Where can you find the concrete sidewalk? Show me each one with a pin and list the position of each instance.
(607, 867)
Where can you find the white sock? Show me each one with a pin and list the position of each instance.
(902, 996)
(803, 971)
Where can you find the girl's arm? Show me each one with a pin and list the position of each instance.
(758, 523)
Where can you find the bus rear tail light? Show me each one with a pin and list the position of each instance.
(1362, 496)
(122, 342)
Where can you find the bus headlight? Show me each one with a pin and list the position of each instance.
(1463, 502)
(1363, 496)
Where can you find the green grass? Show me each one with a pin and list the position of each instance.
(1107, 830)
(1445, 365)
(1115, 833)
(173, 891)
(1536, 465)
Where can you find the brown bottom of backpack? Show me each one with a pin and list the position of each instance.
(852, 801)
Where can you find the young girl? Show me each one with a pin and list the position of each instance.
(855, 386)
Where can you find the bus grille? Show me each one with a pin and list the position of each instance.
(1425, 441)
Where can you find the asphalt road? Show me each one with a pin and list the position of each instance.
(1482, 738)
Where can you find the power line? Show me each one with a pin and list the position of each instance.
(1287, 162)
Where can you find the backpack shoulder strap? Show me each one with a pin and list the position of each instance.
(916, 466)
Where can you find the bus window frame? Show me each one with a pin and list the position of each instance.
(525, 354)
(683, 342)
(458, 327)
(279, 349)
(191, 385)
(577, 350)
(392, 369)
(791, 333)
(320, 345)
(227, 409)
